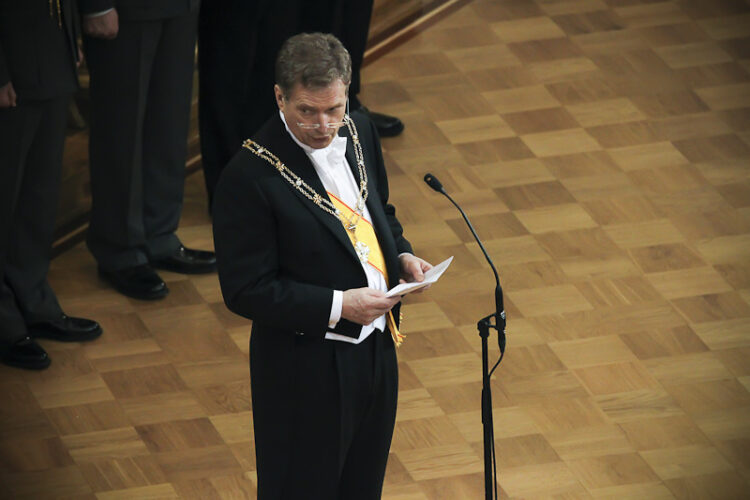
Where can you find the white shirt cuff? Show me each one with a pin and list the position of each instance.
(336, 308)
(98, 14)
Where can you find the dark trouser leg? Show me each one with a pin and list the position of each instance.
(17, 128)
(120, 74)
(364, 467)
(344, 400)
(34, 220)
(165, 130)
(226, 54)
(353, 33)
(313, 453)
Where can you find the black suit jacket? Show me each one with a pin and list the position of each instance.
(280, 256)
(38, 51)
(142, 10)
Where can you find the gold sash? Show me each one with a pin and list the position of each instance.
(365, 233)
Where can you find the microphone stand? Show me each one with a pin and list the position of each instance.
(484, 326)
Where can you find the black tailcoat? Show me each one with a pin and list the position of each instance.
(280, 258)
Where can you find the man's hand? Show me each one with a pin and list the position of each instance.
(365, 305)
(104, 26)
(7, 96)
(413, 269)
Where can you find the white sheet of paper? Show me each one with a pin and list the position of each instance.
(430, 276)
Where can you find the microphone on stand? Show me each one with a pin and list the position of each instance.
(484, 325)
(435, 184)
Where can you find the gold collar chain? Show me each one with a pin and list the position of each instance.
(321, 201)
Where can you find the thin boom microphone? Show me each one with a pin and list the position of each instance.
(484, 325)
(435, 184)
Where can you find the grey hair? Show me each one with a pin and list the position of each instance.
(315, 60)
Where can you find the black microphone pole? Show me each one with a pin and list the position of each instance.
(484, 325)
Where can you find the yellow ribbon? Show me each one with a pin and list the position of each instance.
(365, 233)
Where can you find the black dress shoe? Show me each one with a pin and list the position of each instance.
(388, 126)
(139, 282)
(26, 354)
(187, 261)
(66, 329)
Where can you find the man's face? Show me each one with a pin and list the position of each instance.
(305, 107)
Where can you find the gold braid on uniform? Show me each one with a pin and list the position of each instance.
(52, 5)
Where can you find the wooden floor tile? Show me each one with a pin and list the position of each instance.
(568, 141)
(612, 470)
(440, 461)
(483, 57)
(118, 443)
(475, 128)
(588, 442)
(635, 406)
(605, 112)
(521, 99)
(539, 480)
(717, 485)
(115, 476)
(726, 393)
(676, 370)
(164, 490)
(533, 28)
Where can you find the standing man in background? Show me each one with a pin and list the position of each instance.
(38, 60)
(140, 56)
(238, 41)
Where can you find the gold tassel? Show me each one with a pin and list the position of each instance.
(398, 338)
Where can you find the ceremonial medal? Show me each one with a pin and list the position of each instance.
(363, 251)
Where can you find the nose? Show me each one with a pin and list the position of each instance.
(321, 119)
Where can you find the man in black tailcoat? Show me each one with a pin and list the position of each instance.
(307, 245)
(140, 56)
(38, 60)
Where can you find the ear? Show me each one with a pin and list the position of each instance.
(279, 97)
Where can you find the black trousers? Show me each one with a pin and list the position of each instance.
(344, 409)
(141, 85)
(32, 136)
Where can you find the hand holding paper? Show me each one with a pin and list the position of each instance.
(430, 277)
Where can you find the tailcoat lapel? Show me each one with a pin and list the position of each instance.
(296, 160)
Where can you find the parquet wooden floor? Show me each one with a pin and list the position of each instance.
(602, 150)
